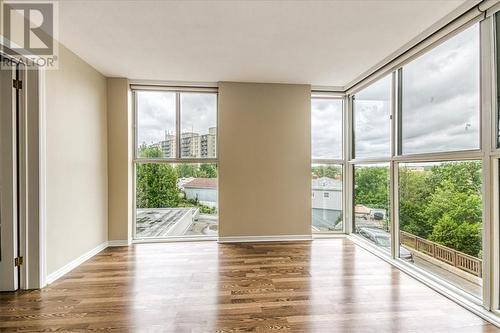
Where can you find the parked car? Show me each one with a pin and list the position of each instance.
(383, 239)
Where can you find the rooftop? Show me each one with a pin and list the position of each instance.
(208, 183)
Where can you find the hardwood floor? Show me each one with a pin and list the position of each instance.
(322, 286)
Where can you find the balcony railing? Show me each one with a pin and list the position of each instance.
(443, 253)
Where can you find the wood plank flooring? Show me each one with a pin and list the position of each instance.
(321, 286)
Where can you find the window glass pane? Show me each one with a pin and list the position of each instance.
(155, 123)
(326, 121)
(326, 197)
(372, 123)
(440, 214)
(372, 204)
(440, 102)
(175, 200)
(198, 125)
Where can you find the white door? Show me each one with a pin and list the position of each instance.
(9, 275)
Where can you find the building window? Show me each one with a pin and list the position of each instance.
(176, 166)
(440, 97)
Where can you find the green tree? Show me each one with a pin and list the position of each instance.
(463, 237)
(330, 171)
(372, 187)
(207, 171)
(186, 170)
(156, 184)
(463, 177)
(443, 203)
(414, 195)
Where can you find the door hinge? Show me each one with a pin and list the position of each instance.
(18, 261)
(17, 84)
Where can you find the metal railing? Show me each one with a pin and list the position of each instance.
(443, 253)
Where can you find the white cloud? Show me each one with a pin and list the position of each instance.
(440, 102)
(326, 125)
(441, 97)
(156, 114)
(372, 123)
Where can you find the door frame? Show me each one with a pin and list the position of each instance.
(9, 204)
(31, 177)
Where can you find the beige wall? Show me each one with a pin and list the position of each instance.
(76, 160)
(264, 159)
(119, 160)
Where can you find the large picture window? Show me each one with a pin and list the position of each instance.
(439, 191)
(440, 216)
(327, 168)
(176, 167)
(440, 97)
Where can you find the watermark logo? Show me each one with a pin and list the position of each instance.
(29, 32)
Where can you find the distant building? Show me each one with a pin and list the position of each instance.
(208, 143)
(168, 147)
(193, 145)
(326, 203)
(190, 144)
(202, 189)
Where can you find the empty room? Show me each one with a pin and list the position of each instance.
(250, 166)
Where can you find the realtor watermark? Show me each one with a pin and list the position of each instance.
(29, 32)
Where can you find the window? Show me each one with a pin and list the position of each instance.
(372, 204)
(176, 198)
(156, 124)
(327, 197)
(372, 120)
(198, 125)
(440, 216)
(440, 97)
(327, 127)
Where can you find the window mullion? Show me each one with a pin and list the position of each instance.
(178, 124)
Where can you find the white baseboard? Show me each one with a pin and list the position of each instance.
(279, 238)
(75, 263)
(119, 242)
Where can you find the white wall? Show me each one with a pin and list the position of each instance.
(76, 160)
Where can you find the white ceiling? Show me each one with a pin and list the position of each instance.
(316, 42)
